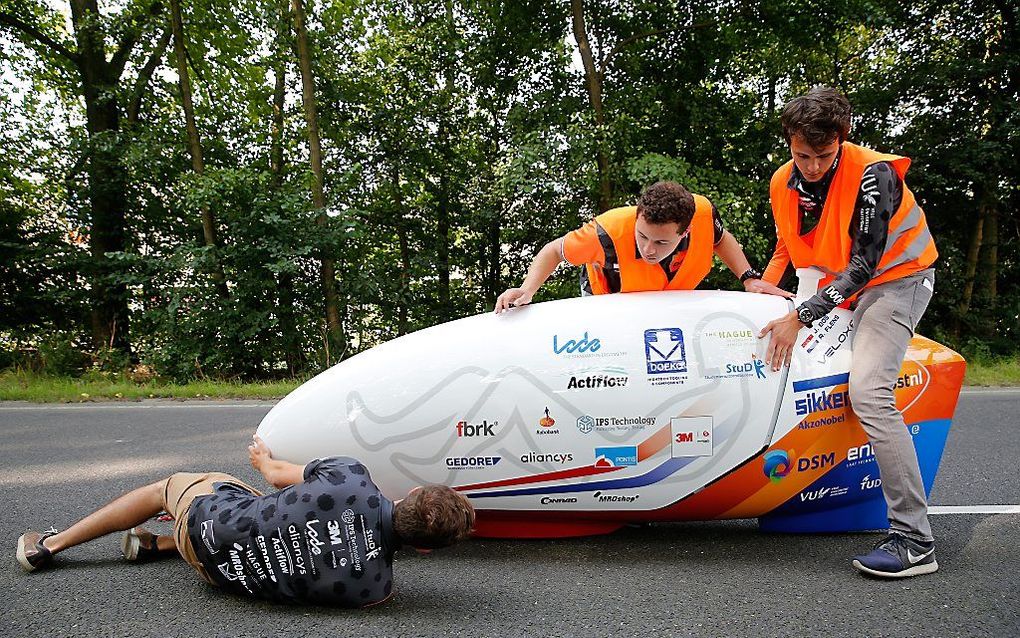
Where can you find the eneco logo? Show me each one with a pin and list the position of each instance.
(777, 465)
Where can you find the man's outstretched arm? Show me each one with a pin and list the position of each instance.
(279, 474)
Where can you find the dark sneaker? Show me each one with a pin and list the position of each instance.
(32, 554)
(897, 556)
(139, 544)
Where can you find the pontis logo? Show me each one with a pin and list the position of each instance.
(777, 464)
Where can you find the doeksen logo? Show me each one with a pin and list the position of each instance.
(664, 351)
(476, 429)
(575, 346)
(776, 464)
(471, 462)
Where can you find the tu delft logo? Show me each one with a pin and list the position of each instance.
(664, 351)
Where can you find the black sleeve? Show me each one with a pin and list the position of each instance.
(880, 195)
(717, 226)
(331, 466)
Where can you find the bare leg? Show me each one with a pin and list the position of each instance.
(125, 512)
(165, 543)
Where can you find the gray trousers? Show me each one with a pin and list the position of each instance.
(885, 318)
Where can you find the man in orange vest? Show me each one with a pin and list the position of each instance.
(666, 242)
(846, 210)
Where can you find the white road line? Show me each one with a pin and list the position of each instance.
(974, 509)
(133, 406)
(982, 390)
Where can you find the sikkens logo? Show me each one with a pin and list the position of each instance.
(822, 402)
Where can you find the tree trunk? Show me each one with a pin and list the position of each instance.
(970, 270)
(990, 253)
(593, 84)
(107, 187)
(403, 243)
(335, 340)
(292, 351)
(195, 145)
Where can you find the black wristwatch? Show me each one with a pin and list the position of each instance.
(750, 274)
(805, 316)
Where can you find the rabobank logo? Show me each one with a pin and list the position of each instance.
(664, 351)
(777, 464)
(575, 346)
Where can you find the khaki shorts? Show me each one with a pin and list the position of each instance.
(178, 493)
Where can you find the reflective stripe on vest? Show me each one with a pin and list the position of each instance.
(624, 271)
(909, 246)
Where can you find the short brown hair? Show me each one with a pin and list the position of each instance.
(819, 116)
(433, 516)
(666, 203)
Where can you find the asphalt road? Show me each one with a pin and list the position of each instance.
(690, 579)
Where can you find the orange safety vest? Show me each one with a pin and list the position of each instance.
(908, 249)
(636, 274)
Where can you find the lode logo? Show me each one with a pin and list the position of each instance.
(615, 498)
(776, 464)
(601, 381)
(616, 456)
(821, 402)
(576, 346)
(471, 462)
(664, 351)
(542, 457)
(816, 462)
(476, 429)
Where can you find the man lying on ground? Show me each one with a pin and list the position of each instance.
(326, 537)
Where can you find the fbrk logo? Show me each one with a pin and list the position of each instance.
(664, 351)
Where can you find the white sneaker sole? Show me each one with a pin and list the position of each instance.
(129, 545)
(22, 559)
(916, 570)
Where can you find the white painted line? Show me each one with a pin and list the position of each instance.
(974, 509)
(981, 390)
(132, 406)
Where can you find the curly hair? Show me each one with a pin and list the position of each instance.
(665, 203)
(819, 116)
(433, 516)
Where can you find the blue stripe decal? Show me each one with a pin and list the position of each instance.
(654, 476)
(821, 382)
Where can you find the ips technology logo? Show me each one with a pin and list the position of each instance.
(664, 351)
(776, 464)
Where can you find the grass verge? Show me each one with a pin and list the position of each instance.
(993, 372)
(46, 389)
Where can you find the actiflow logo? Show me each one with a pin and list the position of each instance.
(776, 464)
(664, 351)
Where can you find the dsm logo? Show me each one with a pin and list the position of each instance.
(776, 464)
(664, 351)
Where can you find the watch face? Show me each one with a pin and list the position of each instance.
(805, 315)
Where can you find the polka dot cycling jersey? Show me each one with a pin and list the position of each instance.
(328, 540)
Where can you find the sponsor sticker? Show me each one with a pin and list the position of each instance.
(691, 436)
(471, 462)
(587, 424)
(616, 456)
(664, 351)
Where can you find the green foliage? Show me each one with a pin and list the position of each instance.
(458, 139)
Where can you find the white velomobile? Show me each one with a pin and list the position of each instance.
(578, 416)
